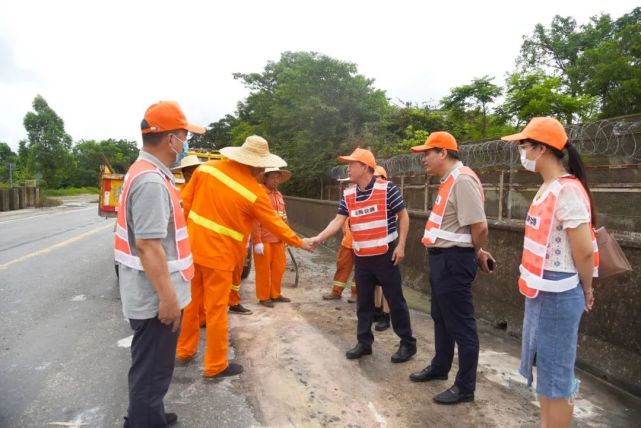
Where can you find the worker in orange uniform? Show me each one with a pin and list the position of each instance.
(344, 266)
(269, 250)
(223, 199)
(186, 168)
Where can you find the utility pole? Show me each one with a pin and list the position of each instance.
(12, 166)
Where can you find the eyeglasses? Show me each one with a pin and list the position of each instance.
(178, 138)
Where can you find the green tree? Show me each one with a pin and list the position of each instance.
(219, 134)
(537, 94)
(48, 147)
(468, 111)
(311, 108)
(7, 156)
(612, 68)
(87, 157)
(601, 58)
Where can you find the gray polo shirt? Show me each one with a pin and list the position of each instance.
(149, 216)
(464, 208)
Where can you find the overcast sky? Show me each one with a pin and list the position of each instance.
(99, 65)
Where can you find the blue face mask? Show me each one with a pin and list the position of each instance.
(181, 155)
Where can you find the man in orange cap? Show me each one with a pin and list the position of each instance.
(155, 262)
(454, 234)
(372, 206)
(223, 199)
(269, 251)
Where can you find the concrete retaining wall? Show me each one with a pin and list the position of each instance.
(609, 337)
(17, 198)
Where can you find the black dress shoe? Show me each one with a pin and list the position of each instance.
(358, 351)
(404, 353)
(454, 396)
(233, 369)
(383, 323)
(426, 374)
(171, 418)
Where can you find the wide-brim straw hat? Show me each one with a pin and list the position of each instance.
(380, 171)
(186, 162)
(284, 174)
(254, 152)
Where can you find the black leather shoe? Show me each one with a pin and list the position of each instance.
(403, 354)
(239, 309)
(426, 374)
(233, 369)
(383, 323)
(358, 351)
(454, 396)
(171, 418)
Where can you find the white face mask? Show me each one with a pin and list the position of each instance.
(528, 164)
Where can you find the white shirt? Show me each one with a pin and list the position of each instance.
(571, 212)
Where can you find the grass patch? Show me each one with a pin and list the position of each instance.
(70, 191)
(43, 202)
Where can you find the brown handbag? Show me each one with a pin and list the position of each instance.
(612, 261)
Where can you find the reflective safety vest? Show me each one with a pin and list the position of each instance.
(207, 223)
(433, 225)
(538, 228)
(368, 220)
(122, 250)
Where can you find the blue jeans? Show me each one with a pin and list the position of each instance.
(550, 333)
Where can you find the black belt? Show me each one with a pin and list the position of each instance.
(436, 251)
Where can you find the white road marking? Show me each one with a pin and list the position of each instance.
(49, 213)
(42, 366)
(126, 342)
(56, 246)
(79, 298)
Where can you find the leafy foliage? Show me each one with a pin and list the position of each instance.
(48, 145)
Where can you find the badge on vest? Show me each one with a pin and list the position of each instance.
(437, 200)
(533, 222)
(364, 211)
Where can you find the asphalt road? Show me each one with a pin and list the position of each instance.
(64, 350)
(64, 347)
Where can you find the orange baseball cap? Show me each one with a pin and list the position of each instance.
(438, 140)
(167, 116)
(360, 155)
(380, 171)
(546, 130)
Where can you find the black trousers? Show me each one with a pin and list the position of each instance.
(452, 272)
(153, 354)
(380, 270)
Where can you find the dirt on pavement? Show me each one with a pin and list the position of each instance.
(296, 373)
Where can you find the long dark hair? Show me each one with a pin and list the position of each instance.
(576, 167)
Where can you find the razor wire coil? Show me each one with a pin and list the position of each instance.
(618, 139)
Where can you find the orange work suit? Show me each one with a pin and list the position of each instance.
(344, 259)
(223, 198)
(270, 266)
(234, 294)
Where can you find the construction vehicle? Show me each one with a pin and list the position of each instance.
(111, 187)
